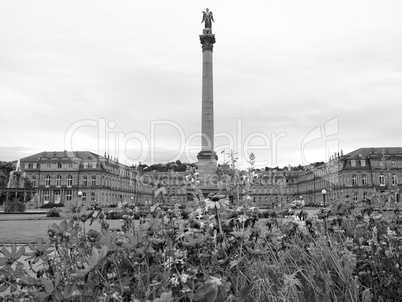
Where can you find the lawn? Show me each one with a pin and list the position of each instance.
(20, 228)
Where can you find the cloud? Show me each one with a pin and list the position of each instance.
(284, 67)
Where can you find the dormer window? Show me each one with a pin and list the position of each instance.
(353, 163)
(85, 165)
(363, 162)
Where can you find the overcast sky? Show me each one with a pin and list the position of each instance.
(294, 81)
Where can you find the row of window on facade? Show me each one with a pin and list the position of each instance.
(48, 181)
(49, 165)
(354, 162)
(355, 182)
(57, 165)
(381, 179)
(68, 196)
(85, 181)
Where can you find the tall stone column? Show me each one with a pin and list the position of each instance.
(207, 158)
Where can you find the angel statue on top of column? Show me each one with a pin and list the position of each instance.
(207, 18)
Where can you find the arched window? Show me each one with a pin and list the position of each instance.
(33, 181)
(84, 196)
(93, 180)
(93, 196)
(47, 181)
(58, 181)
(85, 180)
(69, 181)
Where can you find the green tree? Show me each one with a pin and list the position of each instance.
(5, 169)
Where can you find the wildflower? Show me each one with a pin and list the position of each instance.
(66, 232)
(40, 251)
(390, 233)
(216, 202)
(90, 262)
(76, 209)
(93, 236)
(196, 214)
(211, 288)
(349, 242)
(10, 257)
(174, 280)
(242, 218)
(9, 278)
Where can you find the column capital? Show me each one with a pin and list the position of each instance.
(207, 41)
(207, 154)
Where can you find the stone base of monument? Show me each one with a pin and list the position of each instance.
(207, 177)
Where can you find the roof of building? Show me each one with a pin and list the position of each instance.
(375, 150)
(85, 155)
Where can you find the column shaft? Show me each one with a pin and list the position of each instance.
(207, 102)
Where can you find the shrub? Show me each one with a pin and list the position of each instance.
(52, 205)
(114, 214)
(16, 205)
(184, 214)
(55, 212)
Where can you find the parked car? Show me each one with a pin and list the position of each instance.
(296, 204)
(287, 212)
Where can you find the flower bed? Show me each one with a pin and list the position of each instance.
(218, 254)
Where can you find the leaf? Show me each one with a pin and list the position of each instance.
(66, 215)
(6, 252)
(20, 252)
(207, 292)
(3, 287)
(68, 291)
(238, 234)
(257, 252)
(237, 262)
(63, 225)
(57, 279)
(244, 292)
(166, 297)
(47, 285)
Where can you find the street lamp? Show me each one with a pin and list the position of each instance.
(324, 192)
(132, 200)
(79, 193)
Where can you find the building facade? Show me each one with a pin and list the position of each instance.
(355, 175)
(59, 176)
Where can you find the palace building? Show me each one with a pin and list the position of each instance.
(59, 176)
(356, 175)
